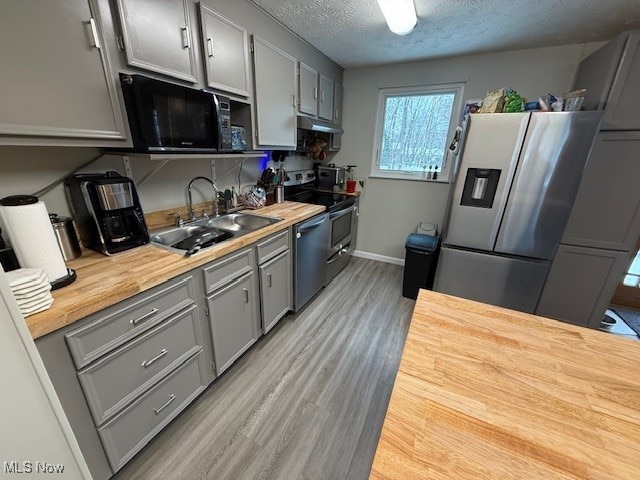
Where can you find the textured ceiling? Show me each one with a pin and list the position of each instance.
(354, 34)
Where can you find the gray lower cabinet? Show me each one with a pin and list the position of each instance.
(273, 255)
(234, 317)
(123, 373)
(113, 381)
(580, 284)
(157, 36)
(56, 82)
(135, 426)
(275, 290)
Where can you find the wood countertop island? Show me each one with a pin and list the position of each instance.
(104, 281)
(489, 393)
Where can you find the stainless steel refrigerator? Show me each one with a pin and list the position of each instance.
(516, 180)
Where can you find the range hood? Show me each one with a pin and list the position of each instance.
(317, 125)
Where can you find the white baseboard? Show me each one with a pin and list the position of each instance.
(379, 258)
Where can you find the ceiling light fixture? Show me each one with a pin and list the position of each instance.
(400, 15)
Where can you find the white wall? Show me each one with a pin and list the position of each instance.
(391, 209)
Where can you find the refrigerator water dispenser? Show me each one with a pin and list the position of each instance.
(480, 187)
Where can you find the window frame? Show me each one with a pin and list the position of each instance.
(456, 88)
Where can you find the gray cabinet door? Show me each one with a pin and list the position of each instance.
(226, 53)
(275, 92)
(276, 290)
(325, 102)
(623, 104)
(581, 283)
(307, 90)
(157, 36)
(606, 213)
(338, 94)
(55, 78)
(233, 313)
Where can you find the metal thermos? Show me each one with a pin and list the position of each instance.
(279, 193)
(66, 236)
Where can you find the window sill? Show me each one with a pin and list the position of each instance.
(410, 178)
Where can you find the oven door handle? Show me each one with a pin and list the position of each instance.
(341, 213)
(338, 255)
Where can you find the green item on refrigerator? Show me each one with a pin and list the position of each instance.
(514, 102)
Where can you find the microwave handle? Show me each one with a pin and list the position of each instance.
(216, 105)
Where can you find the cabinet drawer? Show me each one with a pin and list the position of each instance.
(130, 431)
(272, 246)
(229, 268)
(128, 319)
(117, 379)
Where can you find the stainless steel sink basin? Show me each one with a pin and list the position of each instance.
(240, 222)
(195, 236)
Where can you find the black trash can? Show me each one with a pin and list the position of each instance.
(420, 263)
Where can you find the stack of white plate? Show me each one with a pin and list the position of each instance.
(31, 288)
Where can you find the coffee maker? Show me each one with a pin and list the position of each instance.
(107, 212)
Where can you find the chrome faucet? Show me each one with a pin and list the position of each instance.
(192, 213)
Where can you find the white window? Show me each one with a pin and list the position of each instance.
(414, 128)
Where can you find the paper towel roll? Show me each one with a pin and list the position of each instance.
(33, 239)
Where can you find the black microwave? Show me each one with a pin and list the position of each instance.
(165, 117)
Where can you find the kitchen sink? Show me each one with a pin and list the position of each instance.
(207, 232)
(240, 222)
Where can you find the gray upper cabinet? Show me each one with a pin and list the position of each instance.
(621, 112)
(307, 89)
(606, 212)
(225, 47)
(325, 102)
(338, 93)
(612, 75)
(56, 81)
(157, 36)
(275, 93)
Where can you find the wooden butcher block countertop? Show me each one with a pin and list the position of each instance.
(104, 281)
(489, 393)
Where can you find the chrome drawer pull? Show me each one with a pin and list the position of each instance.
(246, 295)
(172, 397)
(269, 284)
(162, 353)
(143, 317)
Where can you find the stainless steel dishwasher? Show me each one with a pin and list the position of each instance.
(311, 243)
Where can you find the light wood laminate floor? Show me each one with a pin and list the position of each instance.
(307, 402)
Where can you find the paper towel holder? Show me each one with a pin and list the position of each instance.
(64, 281)
(19, 200)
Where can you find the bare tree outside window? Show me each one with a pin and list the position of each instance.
(414, 127)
